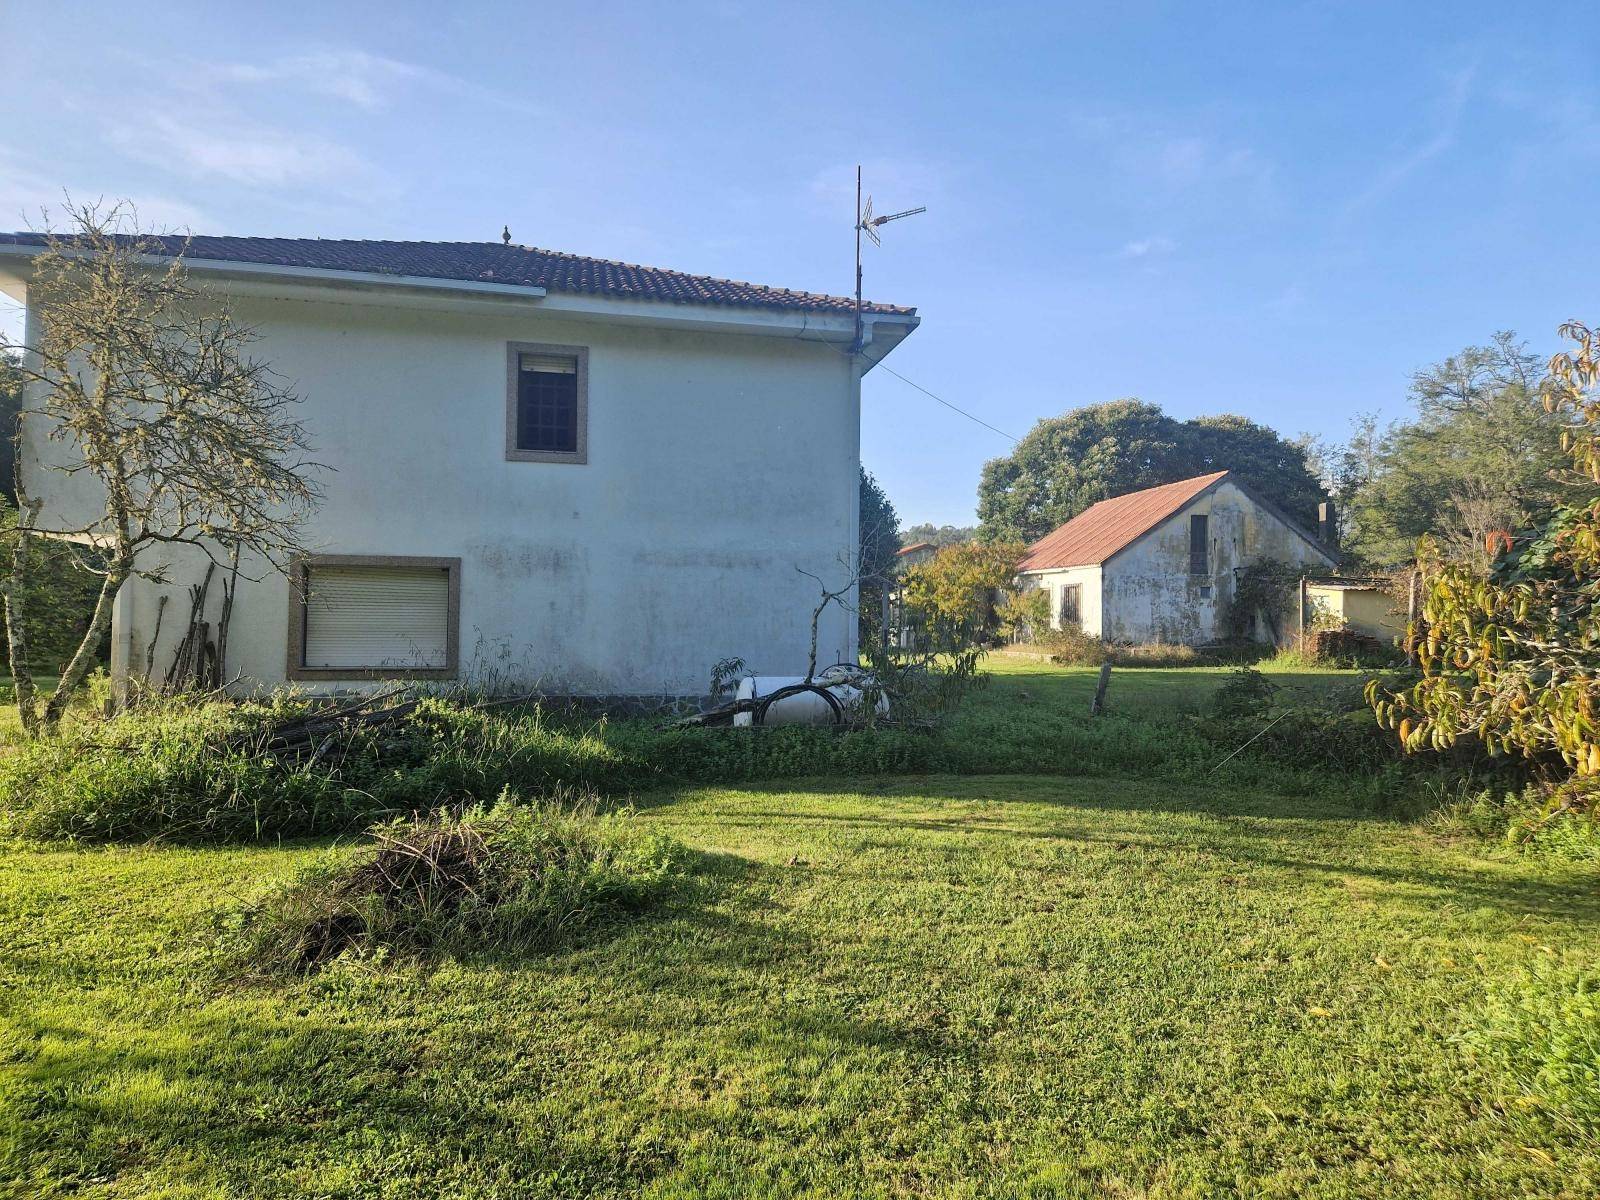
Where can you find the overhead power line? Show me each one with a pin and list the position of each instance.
(946, 403)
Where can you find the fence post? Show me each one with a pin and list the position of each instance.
(1097, 706)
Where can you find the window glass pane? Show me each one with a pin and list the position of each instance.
(1199, 549)
(547, 403)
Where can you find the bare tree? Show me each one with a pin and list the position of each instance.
(145, 379)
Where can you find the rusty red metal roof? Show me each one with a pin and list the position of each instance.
(916, 546)
(1098, 532)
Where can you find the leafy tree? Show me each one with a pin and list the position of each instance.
(11, 381)
(1508, 654)
(880, 540)
(954, 592)
(937, 535)
(1067, 463)
(880, 529)
(146, 381)
(1482, 455)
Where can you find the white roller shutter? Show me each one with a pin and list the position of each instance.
(370, 617)
(550, 364)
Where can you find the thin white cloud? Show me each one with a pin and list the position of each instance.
(1392, 175)
(240, 151)
(30, 199)
(368, 81)
(1171, 161)
(1146, 247)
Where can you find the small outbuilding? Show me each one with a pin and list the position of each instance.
(1160, 565)
(1363, 605)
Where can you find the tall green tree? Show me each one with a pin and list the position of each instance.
(880, 529)
(1481, 455)
(879, 542)
(1067, 463)
(11, 380)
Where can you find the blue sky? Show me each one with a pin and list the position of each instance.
(1280, 210)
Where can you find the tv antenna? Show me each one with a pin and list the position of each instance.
(869, 224)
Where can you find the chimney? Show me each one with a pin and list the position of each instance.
(1327, 524)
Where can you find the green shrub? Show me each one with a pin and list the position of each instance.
(515, 877)
(1072, 647)
(1540, 1033)
(1246, 691)
(1561, 822)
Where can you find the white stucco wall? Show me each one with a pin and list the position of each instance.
(1147, 591)
(1089, 596)
(718, 463)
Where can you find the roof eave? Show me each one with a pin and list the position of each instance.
(887, 330)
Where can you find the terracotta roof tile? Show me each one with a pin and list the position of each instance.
(493, 262)
(1098, 532)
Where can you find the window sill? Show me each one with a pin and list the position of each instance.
(310, 674)
(574, 457)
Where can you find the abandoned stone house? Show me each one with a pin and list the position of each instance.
(1159, 565)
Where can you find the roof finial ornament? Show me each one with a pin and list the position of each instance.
(505, 235)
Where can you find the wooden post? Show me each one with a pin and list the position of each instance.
(1098, 705)
(1300, 620)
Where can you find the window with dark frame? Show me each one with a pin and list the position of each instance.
(1068, 613)
(1199, 545)
(547, 403)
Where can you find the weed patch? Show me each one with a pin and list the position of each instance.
(512, 878)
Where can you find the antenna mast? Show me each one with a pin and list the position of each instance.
(868, 224)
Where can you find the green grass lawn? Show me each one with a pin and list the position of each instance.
(1150, 691)
(992, 986)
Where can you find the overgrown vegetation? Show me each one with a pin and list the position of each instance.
(1508, 660)
(514, 877)
(198, 771)
(1263, 590)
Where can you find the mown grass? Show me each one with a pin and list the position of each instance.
(953, 987)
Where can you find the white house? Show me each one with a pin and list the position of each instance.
(1158, 564)
(567, 471)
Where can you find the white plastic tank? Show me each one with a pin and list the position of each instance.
(803, 708)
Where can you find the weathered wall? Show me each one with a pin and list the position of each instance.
(1148, 593)
(1087, 579)
(718, 464)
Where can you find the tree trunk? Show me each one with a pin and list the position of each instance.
(83, 658)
